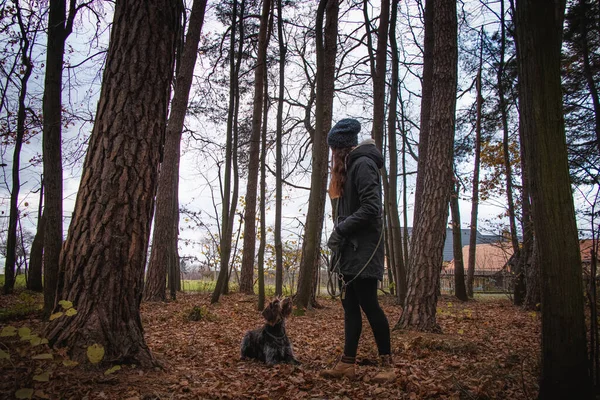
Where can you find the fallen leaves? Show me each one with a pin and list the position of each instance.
(489, 349)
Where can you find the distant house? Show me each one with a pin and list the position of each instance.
(494, 257)
(586, 247)
(465, 235)
(490, 258)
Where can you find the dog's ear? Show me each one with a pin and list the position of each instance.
(271, 311)
(286, 307)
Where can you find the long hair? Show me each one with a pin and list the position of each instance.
(338, 172)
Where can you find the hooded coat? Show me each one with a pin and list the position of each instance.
(360, 214)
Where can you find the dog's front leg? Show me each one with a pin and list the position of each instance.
(289, 357)
(271, 355)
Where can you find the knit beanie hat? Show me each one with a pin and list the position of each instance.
(344, 134)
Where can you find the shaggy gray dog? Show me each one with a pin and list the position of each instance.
(270, 343)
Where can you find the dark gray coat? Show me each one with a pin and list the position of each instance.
(360, 213)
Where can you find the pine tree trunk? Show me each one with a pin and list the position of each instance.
(529, 268)
(429, 233)
(247, 274)
(164, 254)
(229, 205)
(460, 290)
(103, 260)
(564, 354)
(475, 194)
(326, 48)
(263, 202)
(519, 289)
(392, 197)
(426, 99)
(278, 156)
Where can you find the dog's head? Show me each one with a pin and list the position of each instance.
(277, 310)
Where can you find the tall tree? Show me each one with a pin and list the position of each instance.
(476, 171)
(164, 254)
(392, 196)
(13, 220)
(230, 186)
(60, 26)
(278, 156)
(103, 259)
(426, 99)
(247, 279)
(426, 255)
(263, 201)
(564, 358)
(326, 46)
(519, 288)
(460, 290)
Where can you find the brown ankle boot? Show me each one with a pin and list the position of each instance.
(386, 369)
(344, 368)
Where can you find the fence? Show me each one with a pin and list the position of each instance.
(484, 282)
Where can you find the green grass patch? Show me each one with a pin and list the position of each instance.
(206, 286)
(20, 282)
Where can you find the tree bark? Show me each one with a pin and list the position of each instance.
(263, 202)
(398, 265)
(164, 254)
(59, 28)
(247, 274)
(564, 354)
(460, 291)
(102, 263)
(230, 194)
(426, 99)
(278, 156)
(519, 288)
(476, 170)
(326, 48)
(36, 256)
(429, 233)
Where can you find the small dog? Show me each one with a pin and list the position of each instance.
(270, 343)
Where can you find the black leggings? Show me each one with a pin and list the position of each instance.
(362, 293)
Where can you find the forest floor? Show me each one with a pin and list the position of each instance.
(489, 349)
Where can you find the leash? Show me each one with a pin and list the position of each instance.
(331, 290)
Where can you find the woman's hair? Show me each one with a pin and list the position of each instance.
(338, 172)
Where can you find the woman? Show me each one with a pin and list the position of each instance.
(358, 244)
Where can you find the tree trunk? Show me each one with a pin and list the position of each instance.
(11, 240)
(278, 156)
(103, 260)
(263, 202)
(36, 256)
(398, 265)
(59, 28)
(52, 151)
(326, 48)
(164, 254)
(429, 233)
(477, 165)
(460, 291)
(529, 268)
(230, 194)
(564, 354)
(519, 289)
(426, 99)
(247, 274)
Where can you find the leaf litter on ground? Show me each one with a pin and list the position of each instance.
(489, 349)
